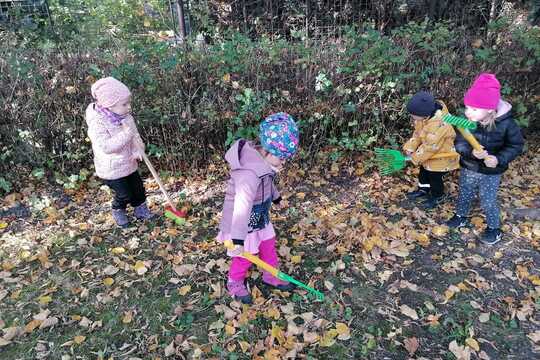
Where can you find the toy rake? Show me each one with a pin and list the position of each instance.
(390, 161)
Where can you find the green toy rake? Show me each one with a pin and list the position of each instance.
(464, 126)
(390, 161)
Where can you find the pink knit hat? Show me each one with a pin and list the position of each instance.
(485, 92)
(109, 91)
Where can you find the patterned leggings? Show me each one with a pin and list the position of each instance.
(470, 183)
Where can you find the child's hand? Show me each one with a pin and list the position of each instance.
(491, 161)
(480, 154)
(137, 155)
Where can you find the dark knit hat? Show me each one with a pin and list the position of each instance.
(422, 104)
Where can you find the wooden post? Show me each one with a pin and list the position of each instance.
(179, 6)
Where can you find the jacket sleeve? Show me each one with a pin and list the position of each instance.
(513, 144)
(245, 187)
(137, 141)
(463, 147)
(431, 145)
(276, 198)
(100, 137)
(415, 140)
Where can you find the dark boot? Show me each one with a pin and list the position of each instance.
(417, 194)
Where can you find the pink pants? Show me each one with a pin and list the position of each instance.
(267, 253)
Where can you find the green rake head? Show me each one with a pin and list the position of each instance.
(459, 122)
(390, 161)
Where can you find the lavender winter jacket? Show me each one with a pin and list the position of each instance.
(115, 147)
(250, 191)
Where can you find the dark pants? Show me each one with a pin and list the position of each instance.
(127, 190)
(431, 181)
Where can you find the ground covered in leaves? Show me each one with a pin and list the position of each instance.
(398, 284)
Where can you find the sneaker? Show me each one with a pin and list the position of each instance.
(120, 217)
(143, 213)
(239, 292)
(491, 236)
(417, 194)
(432, 202)
(457, 221)
(274, 282)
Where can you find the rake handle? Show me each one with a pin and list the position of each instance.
(471, 139)
(158, 180)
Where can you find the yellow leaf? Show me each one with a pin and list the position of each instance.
(7, 266)
(44, 300)
(76, 317)
(273, 313)
(328, 338)
(344, 333)
(3, 225)
(296, 259)
(128, 317)
(32, 325)
(463, 287)
(140, 268)
(440, 230)
(473, 344)
(79, 339)
(477, 221)
(230, 330)
(118, 250)
(244, 345)
(108, 281)
(15, 295)
(226, 78)
(146, 23)
(534, 279)
(184, 290)
(423, 239)
(301, 195)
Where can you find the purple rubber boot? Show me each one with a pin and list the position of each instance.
(238, 290)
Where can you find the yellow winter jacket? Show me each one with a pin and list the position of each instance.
(433, 136)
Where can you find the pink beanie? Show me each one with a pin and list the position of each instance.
(484, 93)
(109, 91)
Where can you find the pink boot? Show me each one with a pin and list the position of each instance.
(238, 290)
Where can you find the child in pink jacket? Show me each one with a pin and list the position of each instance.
(117, 147)
(249, 196)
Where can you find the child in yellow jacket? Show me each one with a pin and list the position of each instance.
(431, 136)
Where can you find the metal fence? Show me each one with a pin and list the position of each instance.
(24, 12)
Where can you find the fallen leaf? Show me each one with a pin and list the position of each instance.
(534, 336)
(328, 338)
(230, 330)
(108, 281)
(79, 339)
(406, 310)
(440, 230)
(484, 317)
(170, 350)
(140, 268)
(128, 317)
(460, 352)
(411, 344)
(44, 300)
(32, 325)
(310, 337)
(118, 250)
(296, 259)
(473, 344)
(110, 270)
(184, 290)
(344, 333)
(328, 285)
(49, 322)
